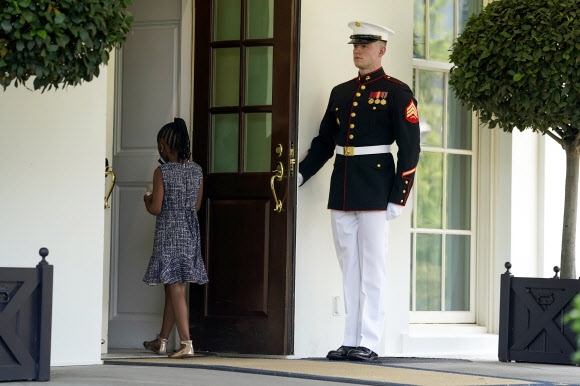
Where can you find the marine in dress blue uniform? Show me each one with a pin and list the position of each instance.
(364, 116)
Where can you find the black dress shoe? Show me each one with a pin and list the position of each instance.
(361, 354)
(339, 354)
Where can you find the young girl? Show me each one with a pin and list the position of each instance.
(176, 259)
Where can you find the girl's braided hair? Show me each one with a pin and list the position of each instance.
(177, 138)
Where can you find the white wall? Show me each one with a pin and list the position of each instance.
(52, 172)
(325, 61)
(538, 173)
(525, 203)
(552, 192)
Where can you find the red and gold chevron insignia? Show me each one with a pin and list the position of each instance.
(411, 112)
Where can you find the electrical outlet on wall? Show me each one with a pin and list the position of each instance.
(336, 306)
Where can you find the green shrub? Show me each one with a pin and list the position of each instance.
(59, 42)
(573, 318)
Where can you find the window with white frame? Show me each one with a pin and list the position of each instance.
(443, 219)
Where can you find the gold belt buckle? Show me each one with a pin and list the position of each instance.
(348, 151)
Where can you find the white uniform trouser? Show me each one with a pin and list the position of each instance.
(360, 239)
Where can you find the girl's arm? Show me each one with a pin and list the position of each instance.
(199, 197)
(155, 200)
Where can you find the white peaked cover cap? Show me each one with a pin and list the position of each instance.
(363, 32)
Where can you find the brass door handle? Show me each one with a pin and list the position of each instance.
(109, 171)
(278, 174)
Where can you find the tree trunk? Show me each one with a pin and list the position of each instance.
(568, 256)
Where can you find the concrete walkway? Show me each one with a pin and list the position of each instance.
(217, 370)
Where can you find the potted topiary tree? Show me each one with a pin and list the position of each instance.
(59, 42)
(517, 64)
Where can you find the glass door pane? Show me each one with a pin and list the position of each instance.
(227, 19)
(259, 75)
(458, 192)
(430, 190)
(457, 272)
(432, 101)
(441, 29)
(258, 142)
(428, 275)
(260, 23)
(419, 24)
(226, 79)
(459, 124)
(224, 143)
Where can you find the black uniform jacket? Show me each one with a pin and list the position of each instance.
(372, 109)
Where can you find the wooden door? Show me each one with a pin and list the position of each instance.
(243, 137)
(153, 85)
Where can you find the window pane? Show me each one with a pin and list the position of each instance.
(466, 9)
(260, 19)
(259, 75)
(226, 80)
(431, 104)
(227, 19)
(258, 142)
(459, 133)
(458, 191)
(457, 266)
(430, 190)
(428, 273)
(224, 143)
(441, 18)
(419, 29)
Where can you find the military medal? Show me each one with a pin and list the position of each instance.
(371, 101)
(384, 102)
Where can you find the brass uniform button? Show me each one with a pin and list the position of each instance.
(351, 136)
(337, 121)
(374, 107)
(363, 87)
(336, 109)
(353, 115)
(378, 165)
(352, 125)
(355, 104)
(407, 182)
(404, 191)
(358, 94)
(401, 201)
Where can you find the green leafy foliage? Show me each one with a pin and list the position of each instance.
(573, 319)
(59, 43)
(518, 64)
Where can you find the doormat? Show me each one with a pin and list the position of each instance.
(379, 373)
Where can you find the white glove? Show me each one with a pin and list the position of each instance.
(394, 211)
(300, 179)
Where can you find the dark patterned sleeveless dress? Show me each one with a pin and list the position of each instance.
(176, 248)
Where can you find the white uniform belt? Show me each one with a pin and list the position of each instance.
(349, 151)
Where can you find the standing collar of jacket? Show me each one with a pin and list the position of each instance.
(371, 76)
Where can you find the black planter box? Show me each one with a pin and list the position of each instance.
(25, 322)
(531, 328)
